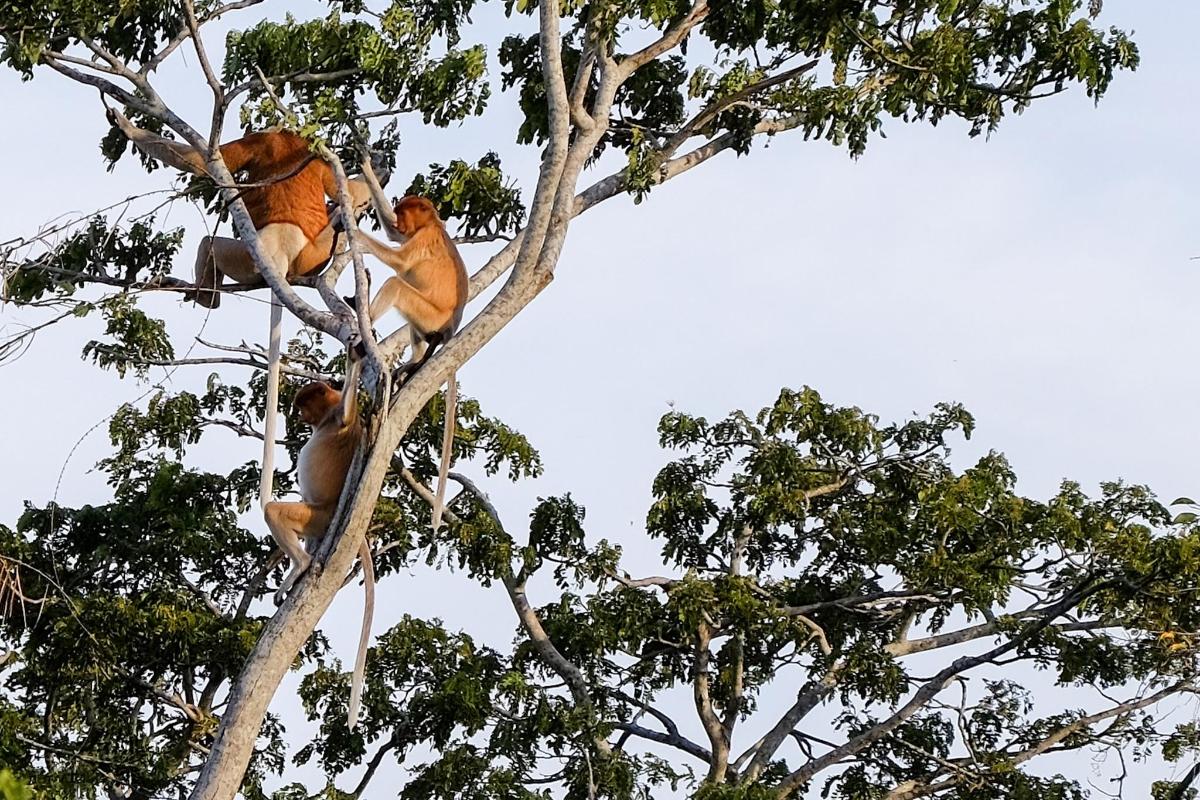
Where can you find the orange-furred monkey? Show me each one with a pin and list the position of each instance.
(286, 205)
(321, 474)
(429, 290)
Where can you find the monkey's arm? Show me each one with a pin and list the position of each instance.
(175, 154)
(360, 193)
(401, 258)
(383, 209)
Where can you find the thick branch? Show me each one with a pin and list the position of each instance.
(806, 700)
(704, 708)
(669, 40)
(554, 158)
(672, 736)
(669, 739)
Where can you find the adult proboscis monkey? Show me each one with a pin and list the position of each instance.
(321, 472)
(286, 186)
(429, 290)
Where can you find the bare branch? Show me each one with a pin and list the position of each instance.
(300, 76)
(672, 737)
(807, 699)
(930, 689)
(669, 739)
(554, 157)
(218, 90)
(373, 765)
(874, 598)
(689, 128)
(669, 40)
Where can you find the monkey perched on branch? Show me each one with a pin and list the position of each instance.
(286, 186)
(285, 196)
(429, 290)
(321, 471)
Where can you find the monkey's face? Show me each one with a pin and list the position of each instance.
(314, 401)
(413, 213)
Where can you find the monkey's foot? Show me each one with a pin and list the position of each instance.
(208, 298)
(405, 372)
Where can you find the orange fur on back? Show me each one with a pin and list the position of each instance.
(298, 199)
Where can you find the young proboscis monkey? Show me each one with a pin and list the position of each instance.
(429, 290)
(285, 197)
(321, 474)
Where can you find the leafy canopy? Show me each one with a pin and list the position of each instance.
(808, 551)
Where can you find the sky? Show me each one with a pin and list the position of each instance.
(1043, 277)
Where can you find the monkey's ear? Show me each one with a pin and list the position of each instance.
(337, 384)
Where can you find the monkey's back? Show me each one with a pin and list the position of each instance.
(325, 459)
(442, 288)
(298, 199)
(462, 281)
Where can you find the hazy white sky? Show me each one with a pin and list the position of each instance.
(1042, 278)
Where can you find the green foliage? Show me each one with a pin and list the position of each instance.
(138, 339)
(12, 788)
(129, 29)
(912, 61)
(487, 202)
(99, 250)
(390, 57)
(806, 546)
(818, 505)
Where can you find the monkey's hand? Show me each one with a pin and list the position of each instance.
(358, 349)
(121, 122)
(337, 220)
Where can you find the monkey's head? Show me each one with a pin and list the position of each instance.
(413, 213)
(314, 401)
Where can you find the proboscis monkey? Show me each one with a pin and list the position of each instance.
(285, 197)
(321, 474)
(429, 290)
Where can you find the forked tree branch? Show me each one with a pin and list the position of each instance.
(967, 770)
(799, 777)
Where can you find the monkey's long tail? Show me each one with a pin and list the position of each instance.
(439, 500)
(266, 483)
(360, 660)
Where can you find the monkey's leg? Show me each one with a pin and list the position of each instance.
(290, 523)
(216, 258)
(421, 350)
(316, 254)
(399, 294)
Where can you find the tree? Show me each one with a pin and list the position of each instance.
(806, 546)
(656, 88)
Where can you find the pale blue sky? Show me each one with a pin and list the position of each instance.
(1042, 278)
